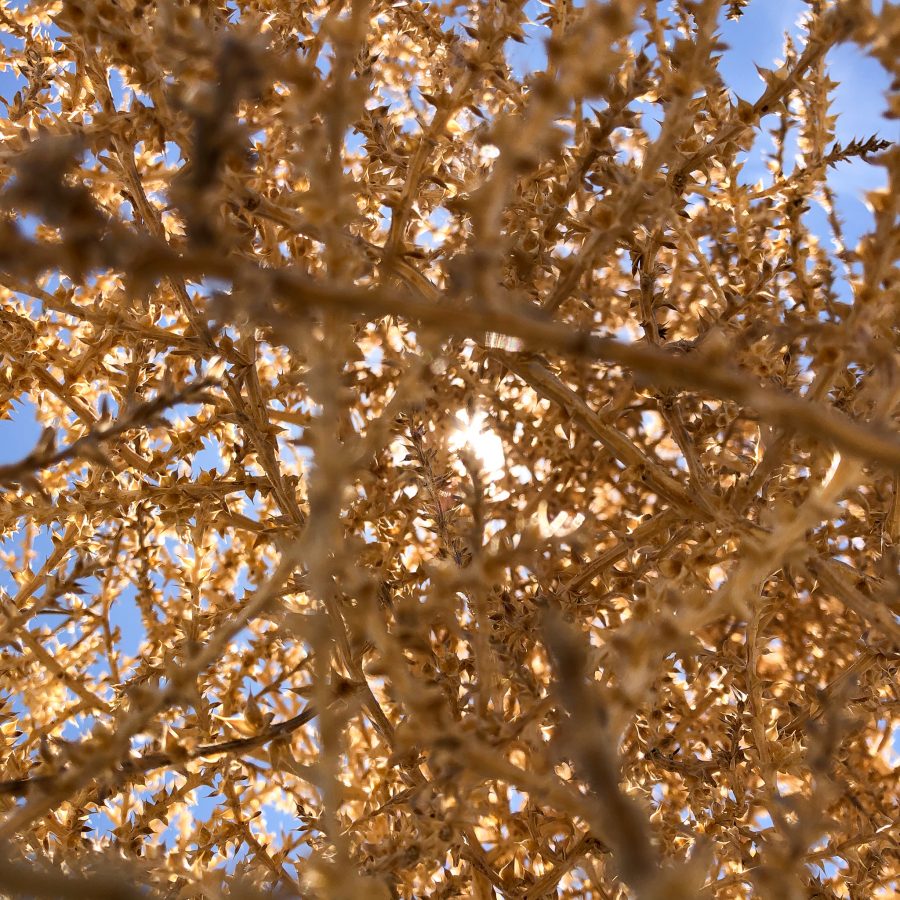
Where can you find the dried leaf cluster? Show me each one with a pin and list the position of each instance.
(455, 481)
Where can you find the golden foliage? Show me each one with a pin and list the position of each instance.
(454, 482)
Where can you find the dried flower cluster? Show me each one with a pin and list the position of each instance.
(456, 481)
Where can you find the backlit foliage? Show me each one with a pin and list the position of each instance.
(457, 478)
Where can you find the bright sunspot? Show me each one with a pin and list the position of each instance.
(483, 442)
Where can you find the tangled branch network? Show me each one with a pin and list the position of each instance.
(449, 449)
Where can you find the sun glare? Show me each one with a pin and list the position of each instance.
(483, 442)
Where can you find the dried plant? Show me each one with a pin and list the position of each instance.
(455, 481)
